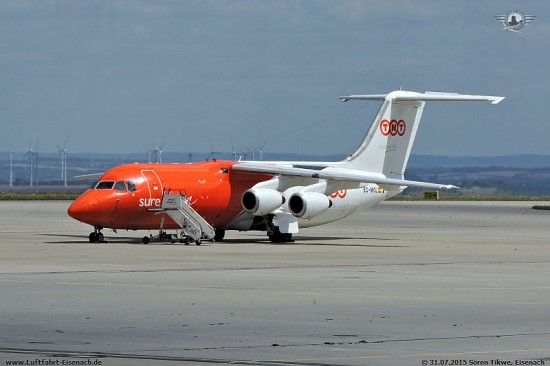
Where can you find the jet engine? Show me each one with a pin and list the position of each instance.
(259, 202)
(305, 205)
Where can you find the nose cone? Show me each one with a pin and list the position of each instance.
(86, 208)
(79, 209)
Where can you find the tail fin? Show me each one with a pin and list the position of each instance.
(388, 143)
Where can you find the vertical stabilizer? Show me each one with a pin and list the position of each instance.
(388, 143)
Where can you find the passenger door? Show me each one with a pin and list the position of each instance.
(155, 188)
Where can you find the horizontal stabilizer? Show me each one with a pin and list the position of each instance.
(425, 97)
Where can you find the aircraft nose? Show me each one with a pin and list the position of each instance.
(80, 210)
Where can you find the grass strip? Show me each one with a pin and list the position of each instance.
(37, 196)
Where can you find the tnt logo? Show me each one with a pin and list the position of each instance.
(393, 128)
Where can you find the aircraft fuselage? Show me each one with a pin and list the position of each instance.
(211, 188)
(129, 196)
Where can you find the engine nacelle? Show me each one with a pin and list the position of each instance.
(259, 202)
(305, 205)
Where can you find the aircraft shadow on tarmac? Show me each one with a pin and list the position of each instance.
(302, 240)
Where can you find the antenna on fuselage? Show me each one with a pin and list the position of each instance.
(242, 155)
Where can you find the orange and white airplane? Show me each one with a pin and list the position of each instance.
(203, 200)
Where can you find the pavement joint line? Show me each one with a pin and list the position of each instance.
(113, 271)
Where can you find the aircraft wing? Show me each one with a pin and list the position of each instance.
(344, 175)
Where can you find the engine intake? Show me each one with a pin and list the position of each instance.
(305, 205)
(259, 202)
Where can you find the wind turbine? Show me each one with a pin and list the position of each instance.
(30, 154)
(33, 158)
(234, 152)
(253, 151)
(261, 149)
(63, 154)
(157, 153)
(11, 168)
(189, 154)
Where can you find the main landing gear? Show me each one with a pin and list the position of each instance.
(219, 235)
(273, 231)
(96, 236)
(277, 237)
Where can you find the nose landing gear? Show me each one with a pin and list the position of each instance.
(96, 236)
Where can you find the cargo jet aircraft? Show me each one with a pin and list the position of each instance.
(203, 200)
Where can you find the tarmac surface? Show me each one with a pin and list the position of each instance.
(404, 283)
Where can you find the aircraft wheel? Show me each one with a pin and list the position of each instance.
(92, 237)
(100, 238)
(146, 240)
(198, 242)
(278, 237)
(219, 235)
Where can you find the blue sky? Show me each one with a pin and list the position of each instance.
(116, 76)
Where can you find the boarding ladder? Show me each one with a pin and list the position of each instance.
(192, 224)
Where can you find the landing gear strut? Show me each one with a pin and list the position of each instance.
(96, 236)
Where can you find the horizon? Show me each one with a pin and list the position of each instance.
(50, 154)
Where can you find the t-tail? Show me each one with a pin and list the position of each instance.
(388, 143)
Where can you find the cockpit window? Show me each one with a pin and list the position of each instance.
(131, 186)
(120, 186)
(106, 184)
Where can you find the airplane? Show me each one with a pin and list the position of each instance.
(205, 199)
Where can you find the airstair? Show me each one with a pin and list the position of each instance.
(193, 225)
